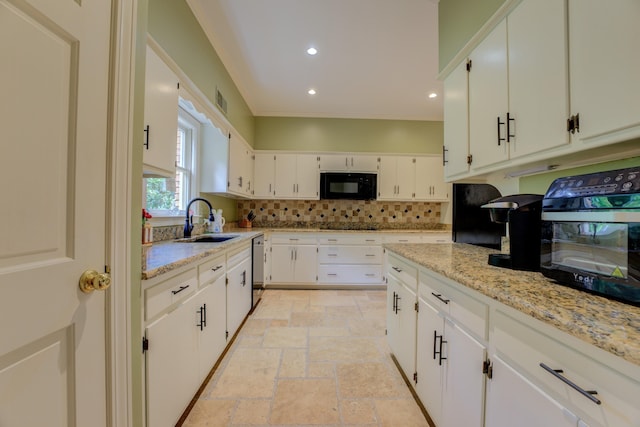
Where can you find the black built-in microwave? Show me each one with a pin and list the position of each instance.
(345, 185)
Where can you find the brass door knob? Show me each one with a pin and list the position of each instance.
(91, 281)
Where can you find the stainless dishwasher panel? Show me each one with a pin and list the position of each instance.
(258, 269)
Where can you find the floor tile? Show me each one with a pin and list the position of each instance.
(305, 401)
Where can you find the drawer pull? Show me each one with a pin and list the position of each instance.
(332, 240)
(403, 240)
(397, 269)
(332, 274)
(370, 254)
(370, 240)
(589, 394)
(182, 288)
(439, 296)
(332, 254)
(293, 240)
(370, 275)
(216, 268)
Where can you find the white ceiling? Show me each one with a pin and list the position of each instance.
(377, 59)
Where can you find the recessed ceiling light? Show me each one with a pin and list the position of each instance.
(433, 95)
(311, 91)
(312, 51)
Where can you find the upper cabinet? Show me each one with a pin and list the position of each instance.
(348, 162)
(412, 178)
(297, 176)
(605, 87)
(161, 118)
(226, 164)
(518, 91)
(264, 172)
(551, 81)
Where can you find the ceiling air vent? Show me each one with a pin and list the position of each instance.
(221, 102)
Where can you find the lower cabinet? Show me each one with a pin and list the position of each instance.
(293, 259)
(401, 323)
(238, 289)
(349, 259)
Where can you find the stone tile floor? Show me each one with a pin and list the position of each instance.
(310, 357)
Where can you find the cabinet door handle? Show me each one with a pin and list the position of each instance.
(509, 120)
(346, 161)
(204, 308)
(201, 325)
(439, 296)
(295, 254)
(444, 159)
(244, 277)
(370, 240)
(397, 305)
(589, 394)
(438, 352)
(182, 288)
(500, 139)
(146, 139)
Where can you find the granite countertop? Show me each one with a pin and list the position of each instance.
(610, 325)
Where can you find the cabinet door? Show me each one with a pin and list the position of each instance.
(307, 176)
(238, 295)
(429, 179)
(334, 162)
(387, 178)
(306, 263)
(264, 175)
(285, 176)
(463, 393)
(212, 309)
(282, 264)
(538, 76)
(456, 122)
(161, 117)
(488, 99)
(171, 365)
(405, 177)
(363, 163)
(605, 88)
(404, 344)
(428, 366)
(512, 399)
(237, 167)
(214, 160)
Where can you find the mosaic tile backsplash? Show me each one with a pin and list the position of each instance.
(347, 214)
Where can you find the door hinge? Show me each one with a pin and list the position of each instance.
(469, 65)
(417, 307)
(226, 335)
(573, 124)
(469, 159)
(415, 377)
(226, 281)
(145, 344)
(178, 85)
(385, 332)
(487, 368)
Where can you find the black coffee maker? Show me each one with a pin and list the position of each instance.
(522, 215)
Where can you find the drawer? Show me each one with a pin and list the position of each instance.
(528, 347)
(350, 274)
(238, 257)
(360, 239)
(403, 271)
(436, 238)
(163, 295)
(293, 239)
(350, 254)
(403, 238)
(211, 270)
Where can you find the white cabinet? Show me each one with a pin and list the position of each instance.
(349, 259)
(348, 162)
(297, 176)
(456, 124)
(605, 88)
(450, 354)
(240, 168)
(293, 259)
(428, 179)
(226, 165)
(239, 289)
(161, 118)
(396, 178)
(514, 399)
(402, 281)
(518, 91)
(529, 354)
(264, 175)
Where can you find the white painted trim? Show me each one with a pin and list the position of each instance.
(119, 379)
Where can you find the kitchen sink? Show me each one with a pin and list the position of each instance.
(208, 238)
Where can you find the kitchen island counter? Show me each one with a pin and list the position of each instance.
(610, 325)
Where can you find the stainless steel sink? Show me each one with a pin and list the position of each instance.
(208, 238)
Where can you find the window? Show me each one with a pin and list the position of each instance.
(167, 197)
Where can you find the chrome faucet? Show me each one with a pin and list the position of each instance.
(188, 224)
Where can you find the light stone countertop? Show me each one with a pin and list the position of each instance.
(610, 325)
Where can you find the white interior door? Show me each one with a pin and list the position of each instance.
(54, 69)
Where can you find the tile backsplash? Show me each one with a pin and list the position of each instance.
(349, 214)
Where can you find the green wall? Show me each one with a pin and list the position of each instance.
(458, 21)
(175, 28)
(356, 135)
(538, 184)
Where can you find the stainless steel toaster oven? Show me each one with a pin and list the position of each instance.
(591, 233)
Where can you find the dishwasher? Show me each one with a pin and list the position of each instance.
(258, 256)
